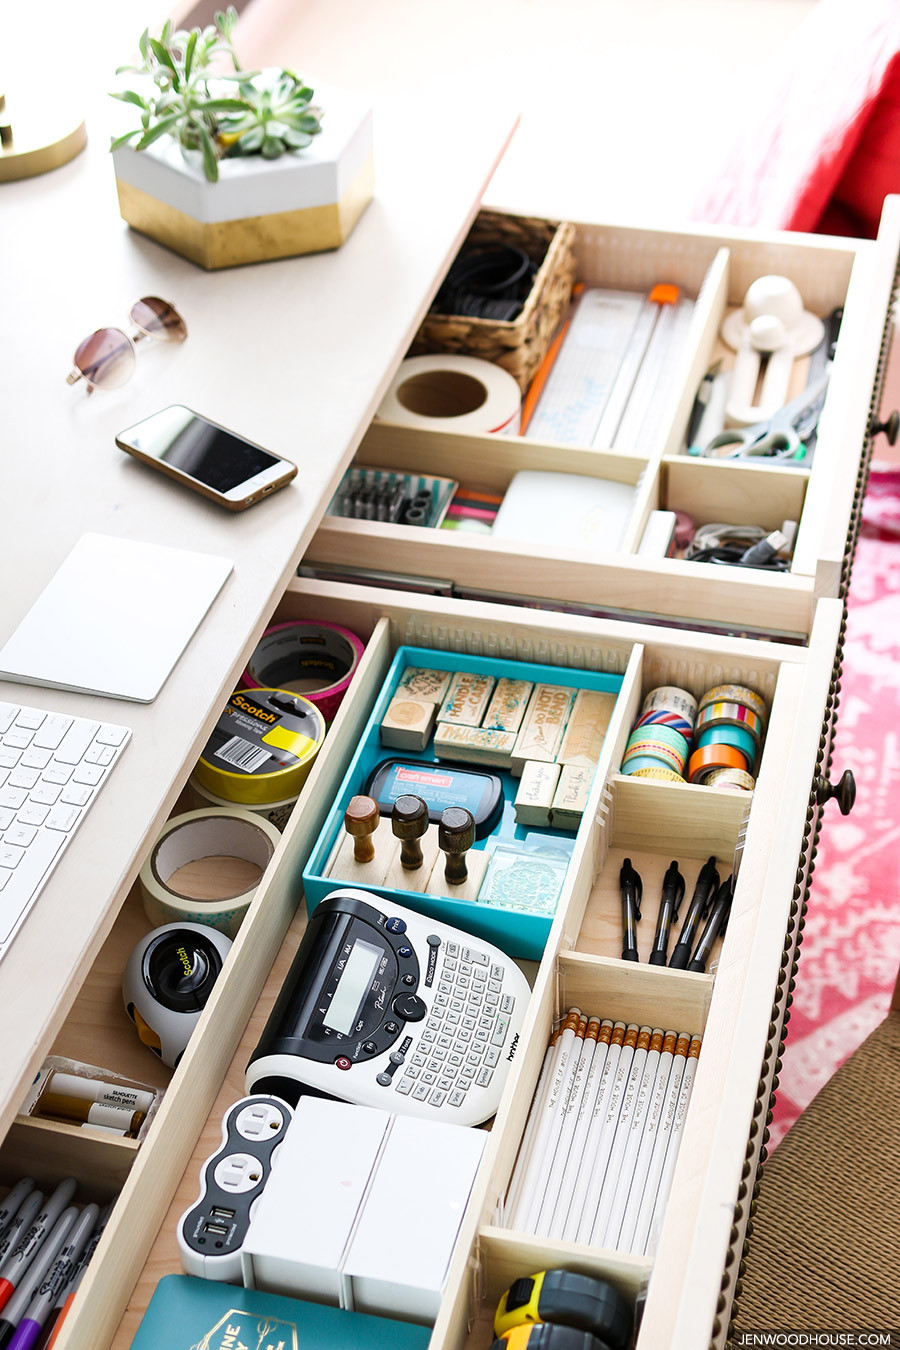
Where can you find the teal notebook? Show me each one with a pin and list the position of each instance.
(190, 1314)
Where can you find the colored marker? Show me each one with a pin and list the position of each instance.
(15, 1267)
(70, 1288)
(27, 1211)
(13, 1201)
(56, 1278)
(24, 1296)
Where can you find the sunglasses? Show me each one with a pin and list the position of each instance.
(107, 358)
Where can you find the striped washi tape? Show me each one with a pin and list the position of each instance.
(665, 775)
(649, 752)
(735, 693)
(730, 715)
(663, 735)
(671, 699)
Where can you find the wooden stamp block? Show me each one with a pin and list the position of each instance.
(587, 726)
(507, 707)
(571, 796)
(343, 866)
(536, 791)
(466, 699)
(407, 723)
(400, 878)
(474, 745)
(430, 686)
(545, 722)
(476, 863)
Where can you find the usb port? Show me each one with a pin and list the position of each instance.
(225, 1215)
(216, 1229)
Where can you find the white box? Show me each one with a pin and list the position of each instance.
(303, 1221)
(400, 1253)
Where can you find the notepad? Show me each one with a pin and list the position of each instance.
(114, 619)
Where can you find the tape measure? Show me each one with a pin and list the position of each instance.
(566, 1300)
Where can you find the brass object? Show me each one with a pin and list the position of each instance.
(36, 135)
(409, 821)
(230, 243)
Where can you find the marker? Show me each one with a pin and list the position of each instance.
(56, 1278)
(27, 1211)
(101, 1114)
(13, 1201)
(70, 1289)
(706, 886)
(15, 1267)
(715, 924)
(24, 1296)
(631, 889)
(672, 894)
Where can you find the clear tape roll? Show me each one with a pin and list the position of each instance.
(220, 832)
(457, 393)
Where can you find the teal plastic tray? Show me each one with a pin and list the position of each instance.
(517, 933)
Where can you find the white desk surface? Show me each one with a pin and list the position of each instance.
(295, 354)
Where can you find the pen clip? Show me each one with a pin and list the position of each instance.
(709, 878)
(673, 883)
(628, 877)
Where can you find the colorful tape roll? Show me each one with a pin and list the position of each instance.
(735, 780)
(738, 737)
(634, 765)
(650, 739)
(199, 798)
(710, 757)
(262, 747)
(657, 771)
(227, 834)
(653, 752)
(669, 698)
(735, 693)
(459, 393)
(730, 715)
(317, 660)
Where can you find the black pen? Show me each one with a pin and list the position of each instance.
(631, 888)
(704, 890)
(715, 924)
(672, 895)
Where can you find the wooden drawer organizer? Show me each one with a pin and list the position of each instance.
(716, 270)
(730, 1006)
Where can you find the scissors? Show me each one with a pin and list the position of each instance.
(782, 436)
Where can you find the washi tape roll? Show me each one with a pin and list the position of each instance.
(658, 717)
(317, 660)
(669, 698)
(739, 737)
(735, 780)
(730, 715)
(226, 834)
(665, 775)
(661, 734)
(735, 693)
(460, 393)
(199, 798)
(710, 757)
(262, 747)
(634, 766)
(649, 751)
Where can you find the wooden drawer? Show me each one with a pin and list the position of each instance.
(580, 965)
(716, 270)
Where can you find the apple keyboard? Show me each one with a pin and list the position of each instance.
(51, 769)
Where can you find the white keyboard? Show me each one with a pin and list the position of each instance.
(51, 769)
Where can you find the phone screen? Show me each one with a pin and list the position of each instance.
(210, 454)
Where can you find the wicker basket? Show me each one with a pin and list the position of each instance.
(520, 345)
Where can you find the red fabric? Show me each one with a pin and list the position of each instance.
(820, 146)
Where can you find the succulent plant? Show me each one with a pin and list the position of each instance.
(268, 113)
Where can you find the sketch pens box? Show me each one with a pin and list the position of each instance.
(186, 1313)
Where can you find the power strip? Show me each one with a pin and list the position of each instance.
(212, 1232)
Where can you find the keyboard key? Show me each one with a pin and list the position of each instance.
(14, 797)
(499, 1035)
(404, 1087)
(31, 718)
(413, 1071)
(10, 855)
(23, 778)
(76, 741)
(482, 1035)
(507, 1003)
(16, 739)
(420, 1092)
(45, 794)
(88, 773)
(99, 754)
(491, 1000)
(35, 759)
(434, 1023)
(476, 957)
(437, 1098)
(7, 817)
(57, 773)
(457, 1097)
(468, 1071)
(51, 732)
(452, 949)
(497, 972)
(8, 712)
(9, 758)
(419, 1059)
(484, 1077)
(63, 818)
(110, 735)
(20, 834)
(429, 1078)
(29, 815)
(492, 1056)
(74, 795)
(495, 987)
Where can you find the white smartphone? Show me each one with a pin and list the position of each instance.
(206, 457)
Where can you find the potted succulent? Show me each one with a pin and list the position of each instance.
(228, 165)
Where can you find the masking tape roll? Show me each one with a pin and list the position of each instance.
(735, 693)
(317, 660)
(665, 775)
(703, 762)
(262, 747)
(670, 698)
(730, 715)
(197, 797)
(456, 393)
(739, 737)
(735, 780)
(211, 833)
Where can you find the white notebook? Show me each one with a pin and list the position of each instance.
(115, 618)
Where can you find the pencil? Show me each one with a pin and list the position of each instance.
(567, 1125)
(625, 1175)
(597, 1158)
(665, 1180)
(660, 1145)
(595, 1125)
(536, 388)
(582, 1125)
(533, 1164)
(622, 1240)
(621, 1136)
(553, 1119)
(537, 1101)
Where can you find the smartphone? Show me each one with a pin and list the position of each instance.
(206, 457)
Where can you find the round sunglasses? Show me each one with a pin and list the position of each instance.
(107, 358)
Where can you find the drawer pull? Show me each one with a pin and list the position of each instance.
(844, 791)
(891, 427)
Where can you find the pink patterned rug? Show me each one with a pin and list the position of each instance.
(851, 943)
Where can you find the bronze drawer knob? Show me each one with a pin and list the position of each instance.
(891, 427)
(844, 791)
